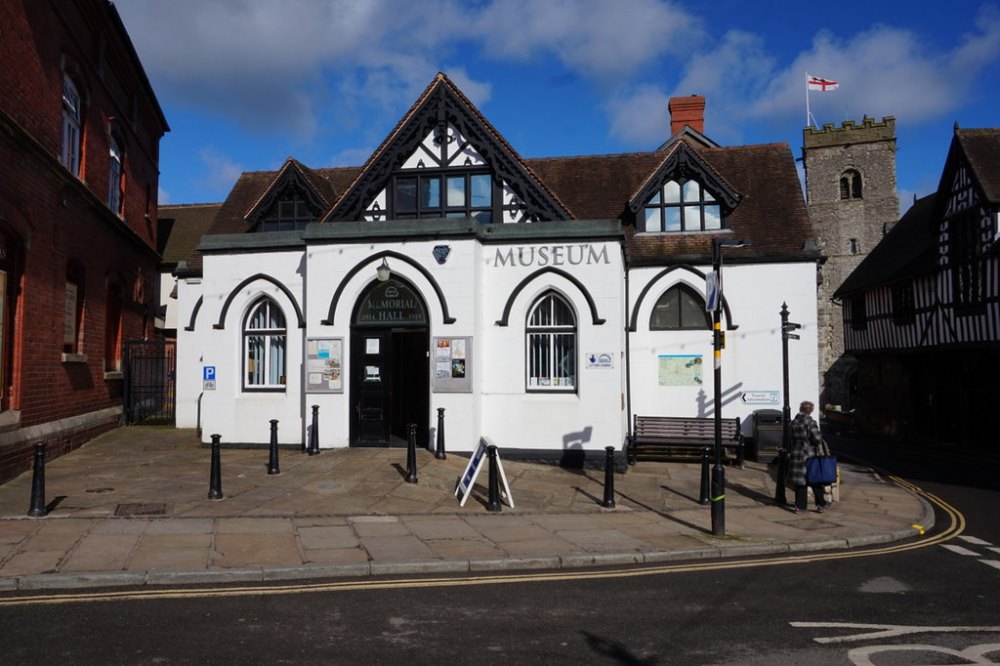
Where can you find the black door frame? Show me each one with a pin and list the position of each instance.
(398, 392)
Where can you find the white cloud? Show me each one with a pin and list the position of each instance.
(641, 117)
(222, 171)
(282, 66)
(596, 38)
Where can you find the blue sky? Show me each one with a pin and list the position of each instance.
(246, 83)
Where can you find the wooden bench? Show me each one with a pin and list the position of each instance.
(674, 437)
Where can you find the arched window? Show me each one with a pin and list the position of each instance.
(72, 121)
(850, 184)
(682, 206)
(551, 344)
(264, 347)
(680, 308)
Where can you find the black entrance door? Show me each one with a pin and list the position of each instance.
(390, 380)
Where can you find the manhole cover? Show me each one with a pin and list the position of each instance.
(141, 509)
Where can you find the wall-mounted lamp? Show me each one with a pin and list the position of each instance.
(382, 272)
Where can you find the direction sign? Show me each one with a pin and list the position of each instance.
(712, 292)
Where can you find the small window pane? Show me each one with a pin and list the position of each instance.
(482, 191)
(653, 219)
(456, 191)
(693, 313)
(656, 198)
(483, 217)
(713, 217)
(707, 195)
(692, 218)
(430, 193)
(406, 194)
(692, 191)
(672, 192)
(666, 312)
(672, 219)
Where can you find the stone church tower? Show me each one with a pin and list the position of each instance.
(852, 200)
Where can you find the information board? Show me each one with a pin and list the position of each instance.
(451, 365)
(324, 365)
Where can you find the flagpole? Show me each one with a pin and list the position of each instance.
(808, 115)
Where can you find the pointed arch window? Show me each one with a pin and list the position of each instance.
(682, 205)
(116, 179)
(551, 344)
(850, 184)
(680, 308)
(264, 347)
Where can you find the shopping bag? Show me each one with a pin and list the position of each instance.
(821, 470)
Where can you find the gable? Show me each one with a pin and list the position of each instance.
(683, 163)
(444, 131)
(290, 200)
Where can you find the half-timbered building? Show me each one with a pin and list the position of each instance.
(922, 311)
(538, 301)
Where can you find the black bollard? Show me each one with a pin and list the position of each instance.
(38, 509)
(215, 476)
(439, 454)
(703, 495)
(493, 503)
(609, 478)
(779, 485)
(411, 453)
(314, 432)
(272, 461)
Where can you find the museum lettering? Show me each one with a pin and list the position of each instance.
(551, 255)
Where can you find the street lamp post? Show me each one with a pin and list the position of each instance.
(718, 498)
(786, 334)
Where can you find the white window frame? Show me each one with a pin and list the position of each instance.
(265, 347)
(72, 121)
(550, 342)
(115, 178)
(686, 199)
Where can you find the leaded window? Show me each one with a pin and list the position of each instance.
(903, 305)
(551, 344)
(682, 205)
(264, 345)
(680, 308)
(966, 258)
(71, 123)
(447, 194)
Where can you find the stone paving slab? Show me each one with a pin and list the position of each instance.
(131, 508)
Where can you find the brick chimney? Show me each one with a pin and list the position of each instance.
(687, 111)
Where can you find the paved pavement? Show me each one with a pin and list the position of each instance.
(131, 508)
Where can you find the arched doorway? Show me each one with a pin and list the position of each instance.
(390, 365)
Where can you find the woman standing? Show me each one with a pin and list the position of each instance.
(805, 443)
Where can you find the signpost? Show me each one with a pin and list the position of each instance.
(208, 378)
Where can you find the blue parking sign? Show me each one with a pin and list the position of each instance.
(208, 373)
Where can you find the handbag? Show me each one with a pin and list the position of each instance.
(821, 469)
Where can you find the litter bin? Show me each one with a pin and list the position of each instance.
(767, 433)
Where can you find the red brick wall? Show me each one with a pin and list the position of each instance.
(61, 219)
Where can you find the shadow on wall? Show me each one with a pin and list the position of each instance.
(573, 454)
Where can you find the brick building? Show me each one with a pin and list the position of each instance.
(79, 138)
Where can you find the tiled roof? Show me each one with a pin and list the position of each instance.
(180, 229)
(982, 147)
(908, 251)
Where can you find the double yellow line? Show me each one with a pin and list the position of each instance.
(955, 527)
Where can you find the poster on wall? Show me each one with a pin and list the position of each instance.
(451, 365)
(324, 365)
(680, 370)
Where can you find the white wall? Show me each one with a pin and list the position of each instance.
(751, 361)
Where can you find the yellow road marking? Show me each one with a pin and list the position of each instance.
(956, 527)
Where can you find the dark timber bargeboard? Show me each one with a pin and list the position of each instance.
(680, 437)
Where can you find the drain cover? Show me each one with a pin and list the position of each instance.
(141, 509)
(99, 490)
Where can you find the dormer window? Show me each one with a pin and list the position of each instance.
(682, 205)
(291, 212)
(850, 185)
